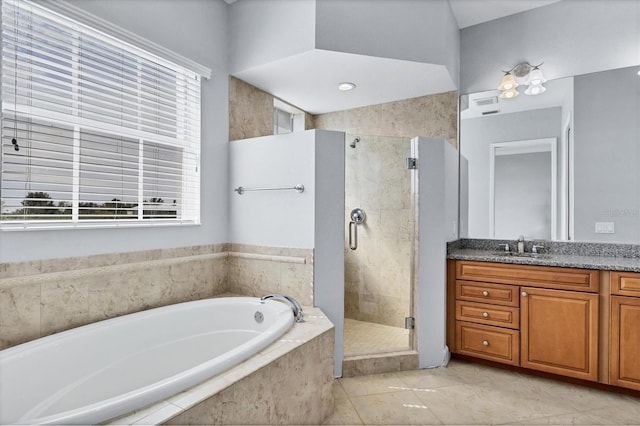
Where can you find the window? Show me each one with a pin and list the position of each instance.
(95, 131)
(286, 118)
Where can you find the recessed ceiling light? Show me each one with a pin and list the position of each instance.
(345, 86)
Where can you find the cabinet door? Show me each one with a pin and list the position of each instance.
(625, 342)
(559, 332)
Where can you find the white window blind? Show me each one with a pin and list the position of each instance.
(94, 130)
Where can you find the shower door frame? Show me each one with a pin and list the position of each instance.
(412, 242)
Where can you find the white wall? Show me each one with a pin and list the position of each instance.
(328, 262)
(273, 218)
(195, 29)
(419, 31)
(438, 212)
(313, 219)
(571, 37)
(264, 31)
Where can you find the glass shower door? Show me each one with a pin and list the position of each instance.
(378, 250)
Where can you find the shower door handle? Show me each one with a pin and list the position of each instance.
(358, 216)
(353, 235)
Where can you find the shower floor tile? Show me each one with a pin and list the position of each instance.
(363, 338)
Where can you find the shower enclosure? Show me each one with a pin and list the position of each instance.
(379, 244)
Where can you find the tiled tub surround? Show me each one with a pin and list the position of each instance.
(258, 270)
(38, 298)
(290, 382)
(602, 256)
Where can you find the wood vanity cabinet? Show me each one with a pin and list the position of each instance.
(537, 317)
(559, 332)
(624, 359)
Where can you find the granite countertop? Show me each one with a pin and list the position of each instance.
(606, 263)
(567, 255)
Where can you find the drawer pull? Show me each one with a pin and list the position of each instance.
(485, 314)
(485, 293)
(485, 342)
(524, 294)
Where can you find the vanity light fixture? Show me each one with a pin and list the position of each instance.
(508, 86)
(346, 86)
(523, 73)
(535, 82)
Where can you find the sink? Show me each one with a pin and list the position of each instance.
(516, 254)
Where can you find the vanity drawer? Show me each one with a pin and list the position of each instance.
(492, 343)
(499, 294)
(534, 276)
(482, 313)
(625, 283)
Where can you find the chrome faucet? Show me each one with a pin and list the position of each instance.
(535, 248)
(295, 306)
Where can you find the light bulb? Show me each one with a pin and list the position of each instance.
(536, 77)
(508, 82)
(509, 94)
(535, 89)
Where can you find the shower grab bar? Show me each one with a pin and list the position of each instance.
(358, 216)
(241, 190)
(353, 232)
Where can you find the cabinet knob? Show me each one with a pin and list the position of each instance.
(524, 294)
(485, 293)
(485, 314)
(485, 343)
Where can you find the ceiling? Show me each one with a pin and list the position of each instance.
(472, 12)
(309, 80)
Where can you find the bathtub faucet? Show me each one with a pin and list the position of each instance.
(295, 306)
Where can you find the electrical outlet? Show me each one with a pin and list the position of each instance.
(605, 228)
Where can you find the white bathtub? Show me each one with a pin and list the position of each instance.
(96, 372)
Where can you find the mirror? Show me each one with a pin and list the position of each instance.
(522, 189)
(562, 165)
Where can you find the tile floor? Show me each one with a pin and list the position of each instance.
(363, 338)
(469, 394)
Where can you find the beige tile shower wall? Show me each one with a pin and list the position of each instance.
(257, 270)
(431, 116)
(250, 111)
(39, 298)
(378, 274)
